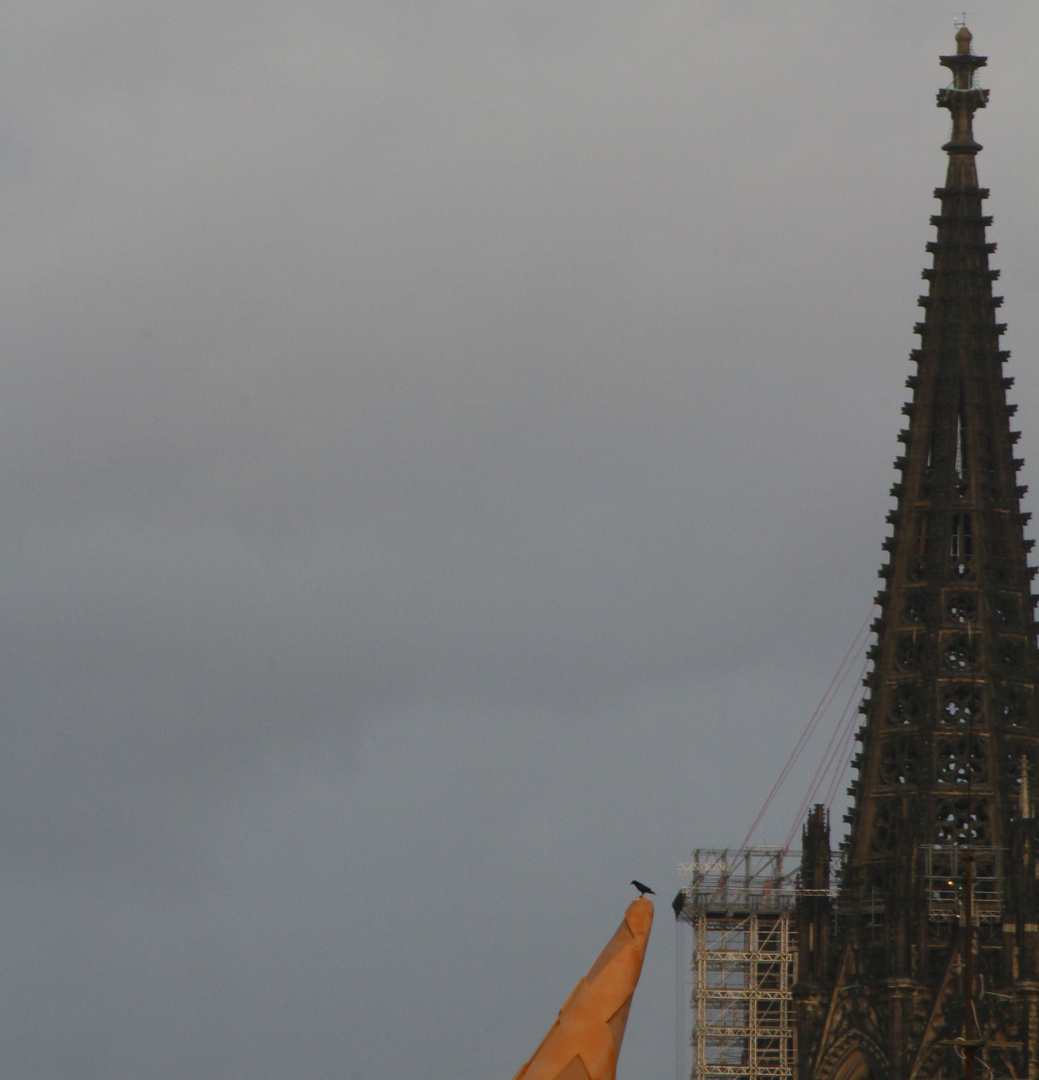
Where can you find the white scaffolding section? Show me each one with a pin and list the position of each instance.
(743, 963)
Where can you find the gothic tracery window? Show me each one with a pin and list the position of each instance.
(962, 607)
(960, 703)
(898, 757)
(958, 654)
(1013, 705)
(1010, 654)
(916, 607)
(963, 821)
(884, 829)
(904, 707)
(961, 760)
(1006, 609)
(908, 653)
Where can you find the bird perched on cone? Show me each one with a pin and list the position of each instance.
(643, 889)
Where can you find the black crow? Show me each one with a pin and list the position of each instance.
(643, 889)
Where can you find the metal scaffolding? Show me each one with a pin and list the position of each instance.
(942, 866)
(744, 960)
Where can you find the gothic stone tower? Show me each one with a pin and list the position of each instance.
(951, 733)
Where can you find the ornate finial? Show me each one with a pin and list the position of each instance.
(962, 98)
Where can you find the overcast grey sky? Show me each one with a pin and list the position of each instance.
(445, 449)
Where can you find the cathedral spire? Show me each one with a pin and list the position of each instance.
(950, 721)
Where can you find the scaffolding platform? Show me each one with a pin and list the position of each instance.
(942, 867)
(744, 960)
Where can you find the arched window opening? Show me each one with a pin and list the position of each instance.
(960, 546)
